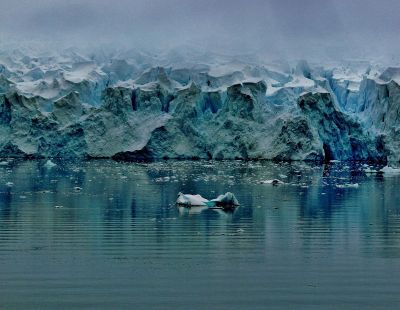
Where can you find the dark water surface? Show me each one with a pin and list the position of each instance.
(120, 242)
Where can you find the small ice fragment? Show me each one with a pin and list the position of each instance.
(77, 188)
(9, 184)
(3, 163)
(283, 176)
(162, 179)
(349, 185)
(240, 230)
(58, 207)
(49, 164)
(370, 171)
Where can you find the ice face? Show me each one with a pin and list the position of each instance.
(143, 106)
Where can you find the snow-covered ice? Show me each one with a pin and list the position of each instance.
(390, 170)
(185, 105)
(226, 200)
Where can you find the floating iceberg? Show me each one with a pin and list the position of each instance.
(222, 201)
(273, 182)
(49, 164)
(191, 200)
(228, 199)
(390, 170)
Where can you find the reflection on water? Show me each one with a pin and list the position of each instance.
(120, 241)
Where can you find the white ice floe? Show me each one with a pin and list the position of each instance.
(390, 170)
(348, 185)
(191, 200)
(49, 164)
(225, 200)
(273, 182)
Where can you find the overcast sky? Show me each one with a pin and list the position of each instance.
(311, 27)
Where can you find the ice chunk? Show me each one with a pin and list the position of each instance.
(191, 200)
(49, 164)
(390, 170)
(273, 182)
(349, 185)
(228, 199)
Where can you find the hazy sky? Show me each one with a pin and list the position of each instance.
(334, 27)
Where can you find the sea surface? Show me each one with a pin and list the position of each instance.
(108, 235)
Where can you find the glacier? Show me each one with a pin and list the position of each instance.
(135, 105)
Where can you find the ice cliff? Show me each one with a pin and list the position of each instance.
(141, 106)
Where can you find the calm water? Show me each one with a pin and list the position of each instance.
(120, 241)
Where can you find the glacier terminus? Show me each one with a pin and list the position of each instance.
(134, 105)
